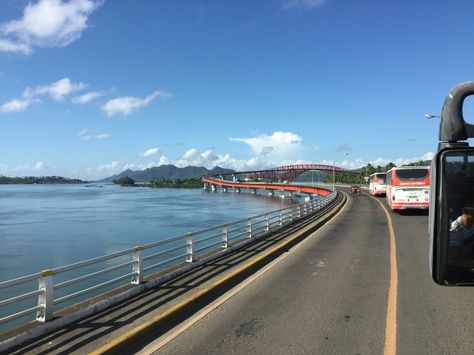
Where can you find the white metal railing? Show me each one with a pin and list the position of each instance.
(140, 263)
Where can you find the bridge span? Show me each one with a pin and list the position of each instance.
(271, 180)
(286, 172)
(271, 188)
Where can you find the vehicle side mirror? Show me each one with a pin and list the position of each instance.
(452, 216)
(451, 220)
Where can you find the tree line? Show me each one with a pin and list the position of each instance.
(186, 183)
(358, 177)
(39, 180)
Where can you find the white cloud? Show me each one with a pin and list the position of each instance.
(150, 152)
(195, 158)
(57, 90)
(35, 169)
(15, 105)
(277, 146)
(40, 166)
(302, 4)
(267, 150)
(127, 105)
(87, 97)
(380, 161)
(111, 168)
(47, 23)
(103, 136)
(89, 135)
(210, 159)
(162, 161)
(8, 46)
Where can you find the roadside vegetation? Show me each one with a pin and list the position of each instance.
(358, 177)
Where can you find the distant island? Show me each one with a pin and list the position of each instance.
(178, 183)
(39, 180)
(168, 172)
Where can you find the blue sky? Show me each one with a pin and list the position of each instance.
(89, 88)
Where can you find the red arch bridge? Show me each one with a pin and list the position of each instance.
(279, 179)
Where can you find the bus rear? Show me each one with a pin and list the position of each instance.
(377, 184)
(408, 187)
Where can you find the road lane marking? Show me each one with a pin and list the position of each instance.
(390, 346)
(155, 346)
(111, 346)
(166, 338)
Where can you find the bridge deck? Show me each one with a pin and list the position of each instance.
(267, 186)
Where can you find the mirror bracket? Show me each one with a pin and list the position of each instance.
(452, 127)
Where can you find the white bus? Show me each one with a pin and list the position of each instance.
(377, 184)
(408, 187)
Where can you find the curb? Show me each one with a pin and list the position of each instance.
(120, 344)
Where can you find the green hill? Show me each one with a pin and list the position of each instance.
(168, 172)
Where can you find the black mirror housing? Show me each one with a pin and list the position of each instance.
(451, 216)
(451, 213)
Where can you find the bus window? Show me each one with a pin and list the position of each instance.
(412, 174)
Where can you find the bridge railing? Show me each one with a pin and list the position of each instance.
(79, 280)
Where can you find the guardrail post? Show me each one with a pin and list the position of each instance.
(189, 248)
(249, 228)
(137, 277)
(225, 236)
(267, 223)
(45, 299)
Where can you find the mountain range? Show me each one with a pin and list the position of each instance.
(169, 172)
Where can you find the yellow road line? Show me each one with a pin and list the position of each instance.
(201, 314)
(160, 342)
(390, 346)
(181, 305)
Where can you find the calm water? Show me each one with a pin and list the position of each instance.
(46, 226)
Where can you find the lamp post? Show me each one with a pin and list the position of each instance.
(333, 175)
(334, 171)
(366, 178)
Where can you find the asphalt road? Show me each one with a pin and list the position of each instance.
(432, 319)
(329, 296)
